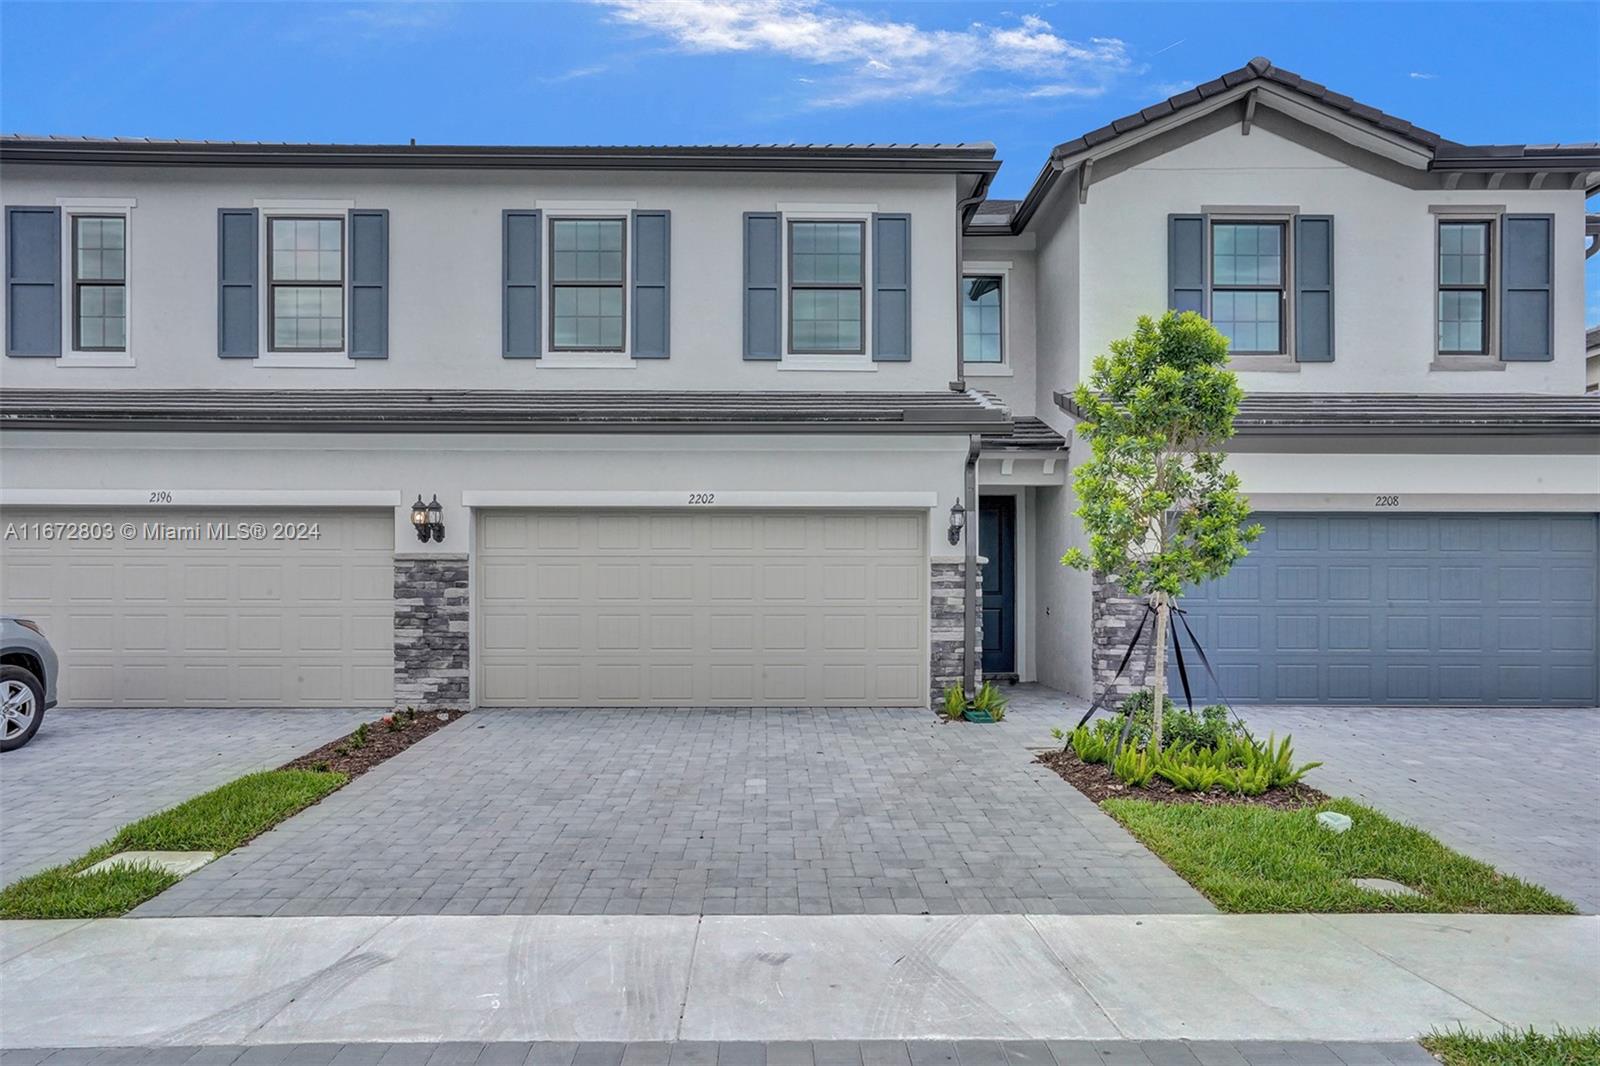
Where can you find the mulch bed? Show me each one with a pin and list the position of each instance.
(1096, 781)
(382, 743)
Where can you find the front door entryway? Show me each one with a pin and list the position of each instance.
(997, 542)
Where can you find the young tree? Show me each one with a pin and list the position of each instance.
(1160, 509)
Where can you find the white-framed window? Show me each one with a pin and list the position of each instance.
(1464, 277)
(986, 317)
(1250, 284)
(588, 283)
(96, 278)
(305, 284)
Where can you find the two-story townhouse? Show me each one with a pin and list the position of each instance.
(729, 425)
(685, 413)
(1406, 317)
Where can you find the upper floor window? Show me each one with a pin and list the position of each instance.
(1247, 285)
(826, 296)
(99, 283)
(305, 284)
(980, 319)
(1464, 288)
(587, 304)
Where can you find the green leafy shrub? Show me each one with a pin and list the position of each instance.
(1090, 745)
(1134, 766)
(990, 698)
(358, 739)
(1207, 728)
(955, 703)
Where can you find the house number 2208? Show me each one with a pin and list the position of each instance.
(1386, 501)
(702, 497)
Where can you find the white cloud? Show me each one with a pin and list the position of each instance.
(1420, 76)
(880, 59)
(574, 74)
(398, 18)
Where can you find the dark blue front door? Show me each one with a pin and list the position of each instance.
(997, 541)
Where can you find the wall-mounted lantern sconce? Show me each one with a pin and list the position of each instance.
(426, 518)
(958, 519)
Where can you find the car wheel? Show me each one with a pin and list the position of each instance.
(23, 699)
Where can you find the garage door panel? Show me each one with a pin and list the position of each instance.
(1496, 609)
(207, 622)
(703, 608)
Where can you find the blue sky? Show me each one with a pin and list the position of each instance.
(1025, 76)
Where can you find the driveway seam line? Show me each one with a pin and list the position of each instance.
(1029, 918)
(1322, 919)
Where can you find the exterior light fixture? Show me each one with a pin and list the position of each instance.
(425, 518)
(958, 519)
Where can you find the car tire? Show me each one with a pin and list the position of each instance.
(15, 682)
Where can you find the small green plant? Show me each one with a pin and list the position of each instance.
(1090, 745)
(321, 767)
(342, 749)
(1134, 766)
(988, 704)
(358, 739)
(991, 700)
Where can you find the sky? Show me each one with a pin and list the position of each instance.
(1024, 76)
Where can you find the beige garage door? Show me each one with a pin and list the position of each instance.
(195, 609)
(702, 608)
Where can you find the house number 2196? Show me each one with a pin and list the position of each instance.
(702, 497)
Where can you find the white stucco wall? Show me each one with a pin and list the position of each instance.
(445, 274)
(1015, 380)
(291, 471)
(1384, 268)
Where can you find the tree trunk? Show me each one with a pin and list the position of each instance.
(1158, 682)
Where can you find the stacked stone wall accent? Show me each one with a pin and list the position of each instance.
(432, 638)
(1115, 618)
(946, 622)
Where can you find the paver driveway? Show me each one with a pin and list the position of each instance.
(699, 811)
(1516, 788)
(88, 772)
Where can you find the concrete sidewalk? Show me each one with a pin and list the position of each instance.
(183, 982)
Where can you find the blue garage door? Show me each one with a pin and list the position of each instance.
(1407, 609)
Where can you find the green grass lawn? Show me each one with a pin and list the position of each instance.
(1251, 859)
(1581, 1048)
(219, 821)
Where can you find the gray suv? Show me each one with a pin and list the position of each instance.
(27, 679)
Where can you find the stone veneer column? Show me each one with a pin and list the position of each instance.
(432, 638)
(946, 625)
(1115, 617)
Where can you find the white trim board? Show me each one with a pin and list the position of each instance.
(287, 499)
(876, 501)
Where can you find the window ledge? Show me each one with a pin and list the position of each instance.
(987, 370)
(95, 360)
(1450, 363)
(1264, 364)
(320, 361)
(849, 364)
(586, 361)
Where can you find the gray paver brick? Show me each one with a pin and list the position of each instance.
(714, 811)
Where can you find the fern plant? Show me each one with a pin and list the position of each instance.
(990, 698)
(1089, 745)
(955, 703)
(1134, 766)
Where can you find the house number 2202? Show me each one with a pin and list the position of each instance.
(702, 497)
(1386, 501)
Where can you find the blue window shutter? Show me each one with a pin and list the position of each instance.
(891, 288)
(369, 284)
(763, 280)
(33, 281)
(238, 267)
(519, 295)
(652, 279)
(1526, 271)
(1313, 288)
(1186, 264)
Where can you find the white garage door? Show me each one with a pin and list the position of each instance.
(701, 608)
(192, 619)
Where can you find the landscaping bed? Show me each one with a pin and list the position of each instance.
(373, 742)
(1096, 781)
(1511, 1048)
(216, 821)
